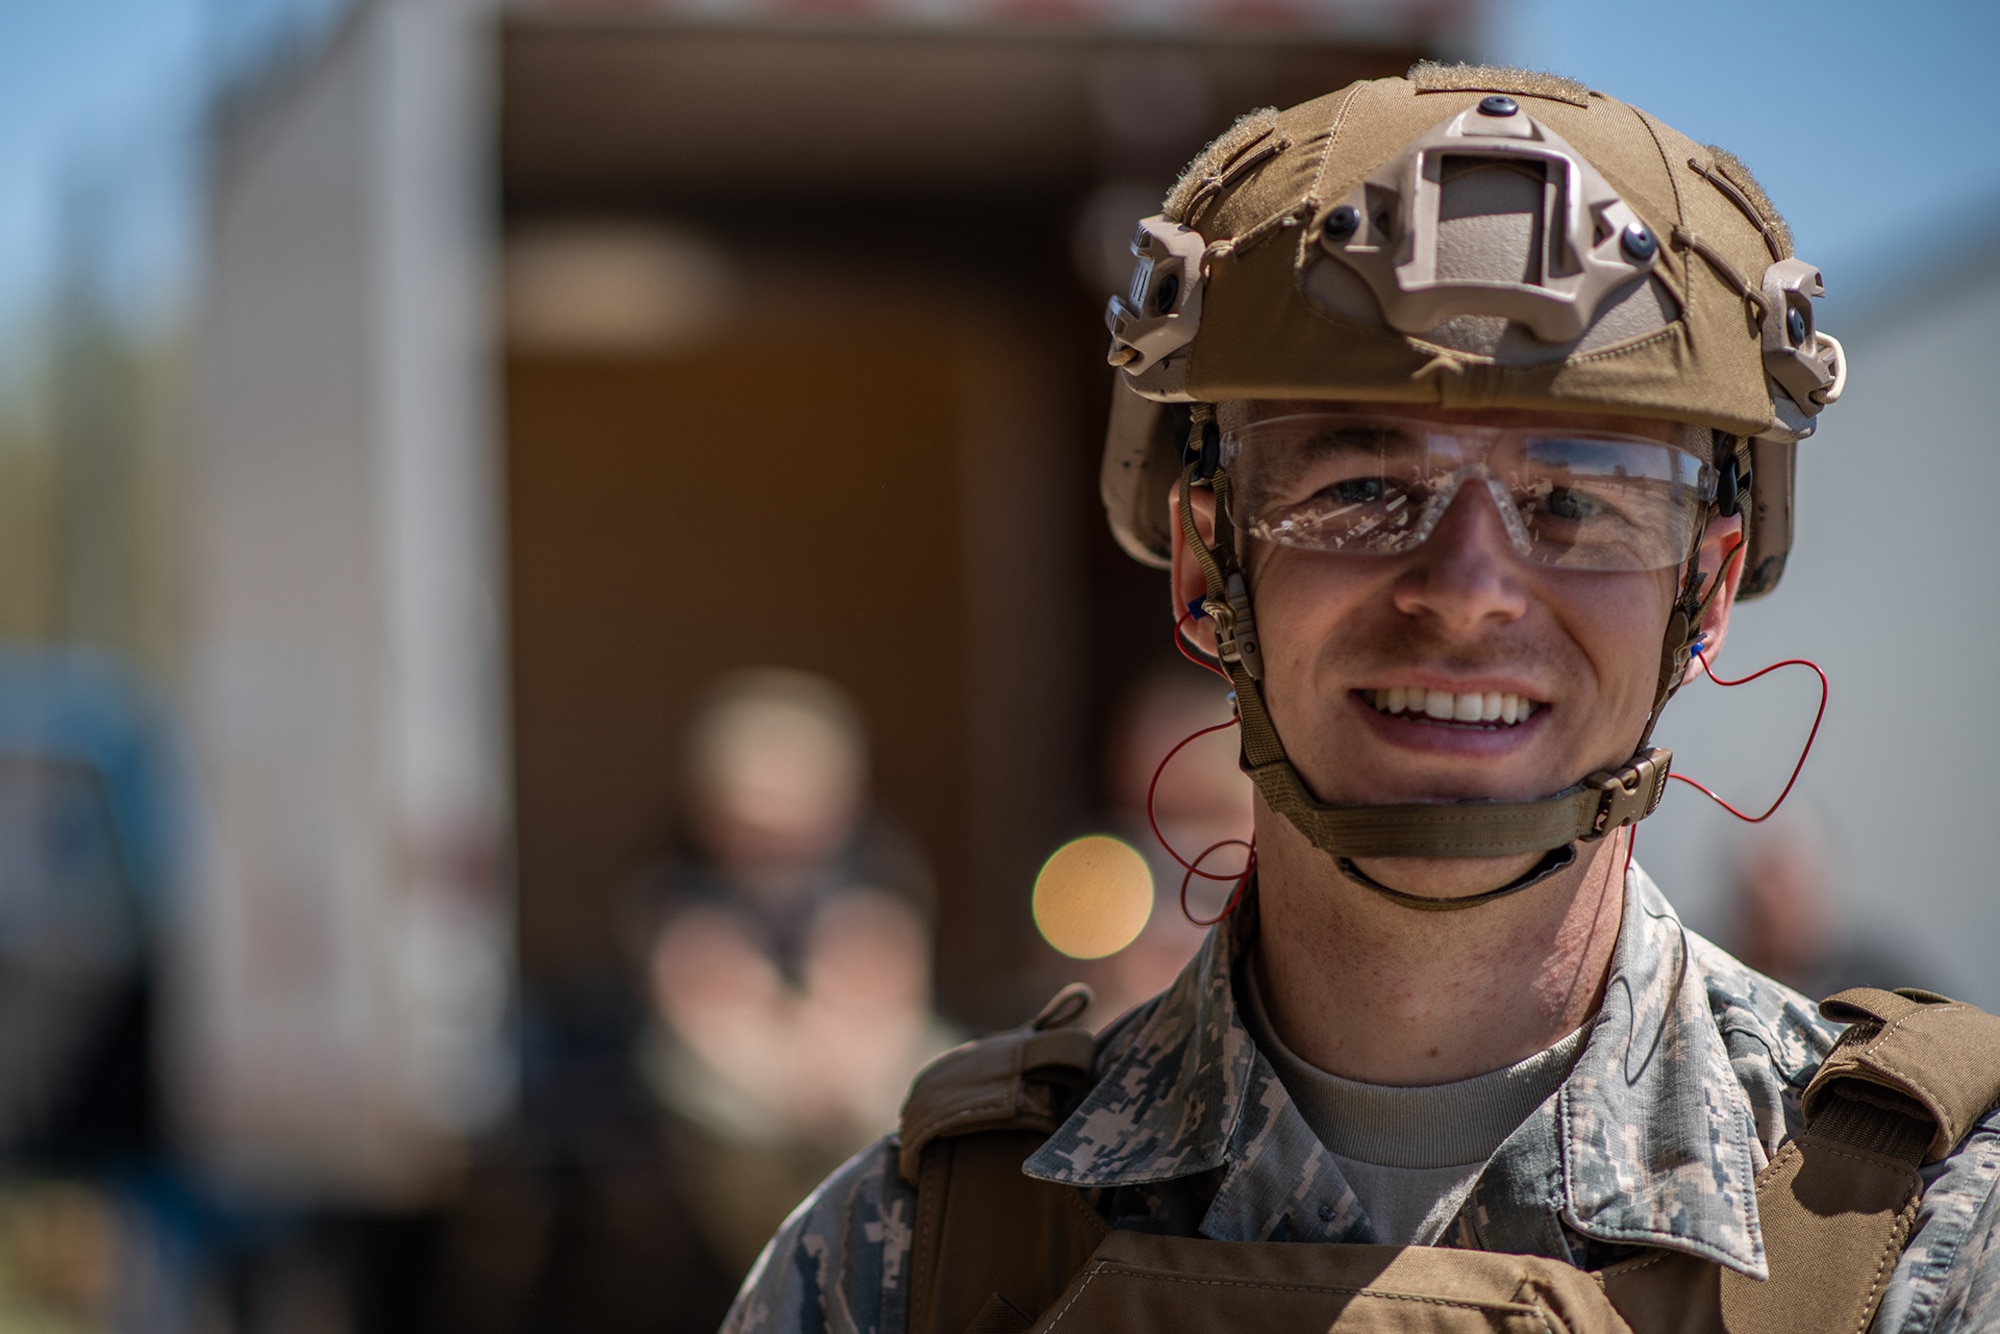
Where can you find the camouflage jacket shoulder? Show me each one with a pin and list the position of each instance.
(1688, 1082)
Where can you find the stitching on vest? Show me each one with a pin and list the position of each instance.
(1874, 1051)
(1885, 1265)
(932, 1130)
(1863, 1156)
(1082, 1287)
(1615, 1272)
(1509, 1308)
(1791, 1147)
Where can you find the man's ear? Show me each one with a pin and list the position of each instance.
(1189, 584)
(1721, 549)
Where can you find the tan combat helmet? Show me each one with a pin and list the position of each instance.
(1361, 247)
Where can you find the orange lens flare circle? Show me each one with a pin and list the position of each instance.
(1093, 896)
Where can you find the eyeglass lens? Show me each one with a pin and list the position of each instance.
(1379, 486)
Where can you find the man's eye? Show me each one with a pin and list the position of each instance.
(1357, 491)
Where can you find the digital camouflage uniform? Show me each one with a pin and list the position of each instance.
(1688, 1083)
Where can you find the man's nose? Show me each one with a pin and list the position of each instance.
(1466, 572)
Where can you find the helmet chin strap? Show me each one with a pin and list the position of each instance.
(1552, 825)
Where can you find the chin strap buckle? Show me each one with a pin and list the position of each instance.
(1632, 793)
(1236, 628)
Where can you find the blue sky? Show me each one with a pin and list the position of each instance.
(99, 96)
(1870, 124)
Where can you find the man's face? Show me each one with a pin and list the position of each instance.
(1446, 628)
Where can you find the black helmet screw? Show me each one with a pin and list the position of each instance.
(1342, 223)
(1638, 244)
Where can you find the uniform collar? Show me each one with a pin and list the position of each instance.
(1165, 1104)
(1649, 1142)
(1658, 1141)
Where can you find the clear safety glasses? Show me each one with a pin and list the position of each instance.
(1378, 485)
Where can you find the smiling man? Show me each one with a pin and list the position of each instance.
(1462, 410)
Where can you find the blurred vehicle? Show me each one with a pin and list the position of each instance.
(98, 1230)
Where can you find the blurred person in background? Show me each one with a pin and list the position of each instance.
(777, 1002)
(789, 966)
(1201, 799)
(1786, 917)
(1461, 408)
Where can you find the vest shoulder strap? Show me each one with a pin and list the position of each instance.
(1908, 1080)
(992, 1246)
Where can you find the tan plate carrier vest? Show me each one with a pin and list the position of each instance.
(999, 1252)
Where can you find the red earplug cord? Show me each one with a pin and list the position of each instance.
(1700, 652)
(1191, 869)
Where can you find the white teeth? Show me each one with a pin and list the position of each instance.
(1492, 706)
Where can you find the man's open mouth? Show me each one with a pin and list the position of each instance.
(1475, 709)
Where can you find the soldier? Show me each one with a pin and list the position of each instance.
(1462, 409)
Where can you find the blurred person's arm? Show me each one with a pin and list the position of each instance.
(841, 1262)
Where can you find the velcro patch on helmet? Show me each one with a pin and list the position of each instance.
(1762, 210)
(1212, 165)
(1429, 76)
